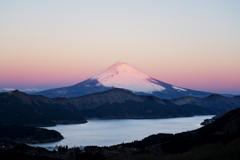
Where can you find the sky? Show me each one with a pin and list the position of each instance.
(193, 44)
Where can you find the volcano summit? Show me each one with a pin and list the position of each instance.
(124, 76)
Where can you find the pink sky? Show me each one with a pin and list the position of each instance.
(54, 44)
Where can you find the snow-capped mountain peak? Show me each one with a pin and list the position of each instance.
(123, 75)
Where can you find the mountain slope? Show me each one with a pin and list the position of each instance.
(125, 76)
(217, 103)
(18, 108)
(122, 75)
(119, 103)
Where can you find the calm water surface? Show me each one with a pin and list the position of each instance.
(111, 132)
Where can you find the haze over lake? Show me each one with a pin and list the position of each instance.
(111, 132)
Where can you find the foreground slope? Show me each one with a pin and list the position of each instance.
(125, 76)
(11, 134)
(219, 140)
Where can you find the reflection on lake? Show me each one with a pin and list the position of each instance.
(111, 132)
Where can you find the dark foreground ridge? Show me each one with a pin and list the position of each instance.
(11, 135)
(219, 140)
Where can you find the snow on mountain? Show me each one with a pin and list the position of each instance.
(27, 90)
(178, 88)
(7, 89)
(123, 75)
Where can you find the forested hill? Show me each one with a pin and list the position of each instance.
(11, 134)
(18, 108)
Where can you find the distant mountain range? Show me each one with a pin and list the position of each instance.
(35, 110)
(29, 91)
(124, 76)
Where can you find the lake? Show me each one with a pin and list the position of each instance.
(111, 132)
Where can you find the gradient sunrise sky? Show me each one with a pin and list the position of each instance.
(193, 44)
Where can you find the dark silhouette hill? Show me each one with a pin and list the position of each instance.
(18, 108)
(222, 134)
(11, 134)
